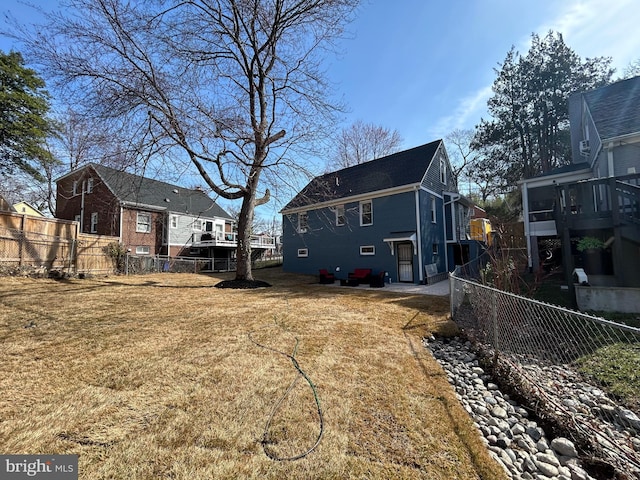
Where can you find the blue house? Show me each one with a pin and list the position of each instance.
(400, 214)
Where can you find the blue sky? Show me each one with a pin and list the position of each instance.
(425, 68)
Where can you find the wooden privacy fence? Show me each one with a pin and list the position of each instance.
(38, 245)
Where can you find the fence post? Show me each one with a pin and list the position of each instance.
(494, 319)
(21, 242)
(451, 287)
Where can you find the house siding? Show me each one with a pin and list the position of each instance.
(132, 239)
(626, 157)
(330, 246)
(431, 179)
(100, 200)
(432, 233)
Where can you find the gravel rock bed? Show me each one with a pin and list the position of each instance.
(517, 441)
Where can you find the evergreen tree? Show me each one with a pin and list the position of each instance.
(529, 131)
(24, 127)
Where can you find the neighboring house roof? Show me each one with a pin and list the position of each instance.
(136, 191)
(572, 167)
(27, 208)
(615, 108)
(395, 170)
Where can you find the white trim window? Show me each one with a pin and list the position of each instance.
(434, 249)
(366, 213)
(340, 218)
(197, 225)
(75, 187)
(303, 222)
(303, 252)
(174, 221)
(90, 185)
(143, 250)
(433, 210)
(94, 222)
(143, 222)
(443, 171)
(367, 250)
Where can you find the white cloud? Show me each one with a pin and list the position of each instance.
(594, 28)
(466, 115)
(591, 28)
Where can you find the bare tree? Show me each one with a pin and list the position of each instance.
(362, 142)
(631, 70)
(234, 86)
(460, 152)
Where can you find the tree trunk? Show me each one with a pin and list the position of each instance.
(243, 252)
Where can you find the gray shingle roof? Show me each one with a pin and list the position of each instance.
(141, 191)
(615, 108)
(395, 170)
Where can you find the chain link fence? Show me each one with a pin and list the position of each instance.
(144, 264)
(556, 358)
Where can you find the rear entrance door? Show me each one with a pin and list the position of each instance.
(405, 262)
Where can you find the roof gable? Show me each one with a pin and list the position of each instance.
(615, 108)
(393, 171)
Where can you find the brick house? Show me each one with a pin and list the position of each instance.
(149, 217)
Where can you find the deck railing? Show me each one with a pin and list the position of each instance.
(228, 239)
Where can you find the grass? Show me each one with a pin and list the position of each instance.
(616, 368)
(163, 376)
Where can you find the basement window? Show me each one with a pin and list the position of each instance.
(303, 252)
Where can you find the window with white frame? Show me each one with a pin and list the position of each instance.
(143, 222)
(433, 209)
(443, 171)
(340, 218)
(303, 222)
(434, 249)
(89, 185)
(303, 252)
(75, 187)
(94, 222)
(197, 225)
(366, 213)
(77, 218)
(367, 250)
(143, 250)
(174, 221)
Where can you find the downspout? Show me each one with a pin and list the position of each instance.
(525, 213)
(168, 224)
(82, 208)
(610, 167)
(120, 232)
(419, 232)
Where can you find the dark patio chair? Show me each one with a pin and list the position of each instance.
(326, 277)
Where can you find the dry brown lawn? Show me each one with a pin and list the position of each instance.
(163, 376)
